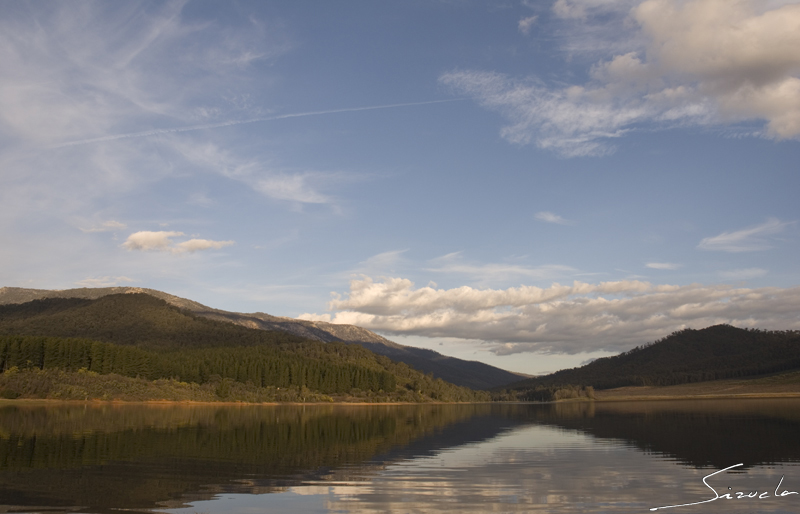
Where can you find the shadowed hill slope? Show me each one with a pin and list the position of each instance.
(473, 374)
(713, 353)
(138, 335)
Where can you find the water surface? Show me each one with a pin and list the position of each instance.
(588, 457)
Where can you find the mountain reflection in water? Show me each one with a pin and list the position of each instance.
(580, 457)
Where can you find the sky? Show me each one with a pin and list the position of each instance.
(530, 184)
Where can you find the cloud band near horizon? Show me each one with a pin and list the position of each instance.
(583, 317)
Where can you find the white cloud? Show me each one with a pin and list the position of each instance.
(568, 120)
(146, 240)
(582, 317)
(384, 263)
(525, 24)
(315, 317)
(696, 62)
(103, 281)
(196, 245)
(301, 187)
(74, 71)
(550, 217)
(746, 240)
(162, 241)
(662, 265)
(88, 70)
(293, 187)
(582, 9)
(108, 226)
(566, 9)
(743, 274)
(97, 73)
(453, 263)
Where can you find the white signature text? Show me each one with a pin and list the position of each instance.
(733, 495)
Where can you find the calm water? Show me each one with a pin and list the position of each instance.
(605, 457)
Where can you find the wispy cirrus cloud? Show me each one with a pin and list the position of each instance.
(263, 177)
(663, 265)
(162, 241)
(74, 71)
(525, 24)
(89, 70)
(698, 62)
(106, 226)
(570, 319)
(453, 263)
(550, 217)
(382, 263)
(232, 123)
(750, 239)
(743, 274)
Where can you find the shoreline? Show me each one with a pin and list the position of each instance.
(601, 398)
(729, 396)
(46, 401)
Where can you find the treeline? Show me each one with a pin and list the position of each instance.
(301, 373)
(260, 365)
(140, 335)
(714, 353)
(542, 393)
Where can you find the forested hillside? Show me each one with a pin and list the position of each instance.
(130, 319)
(713, 353)
(472, 374)
(137, 335)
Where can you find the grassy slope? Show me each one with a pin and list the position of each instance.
(781, 384)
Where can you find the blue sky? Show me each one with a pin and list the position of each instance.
(529, 184)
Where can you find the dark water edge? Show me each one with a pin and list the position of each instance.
(99, 458)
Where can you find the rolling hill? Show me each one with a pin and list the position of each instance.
(472, 374)
(140, 336)
(687, 356)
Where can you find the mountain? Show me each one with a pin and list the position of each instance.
(50, 346)
(472, 374)
(712, 353)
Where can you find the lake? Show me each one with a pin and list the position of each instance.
(580, 457)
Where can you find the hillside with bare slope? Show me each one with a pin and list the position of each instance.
(473, 374)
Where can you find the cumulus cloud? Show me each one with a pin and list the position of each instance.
(550, 217)
(146, 240)
(662, 265)
(697, 62)
(162, 242)
(582, 317)
(746, 240)
(196, 245)
(315, 317)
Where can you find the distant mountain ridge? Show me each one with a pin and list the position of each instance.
(473, 374)
(713, 353)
